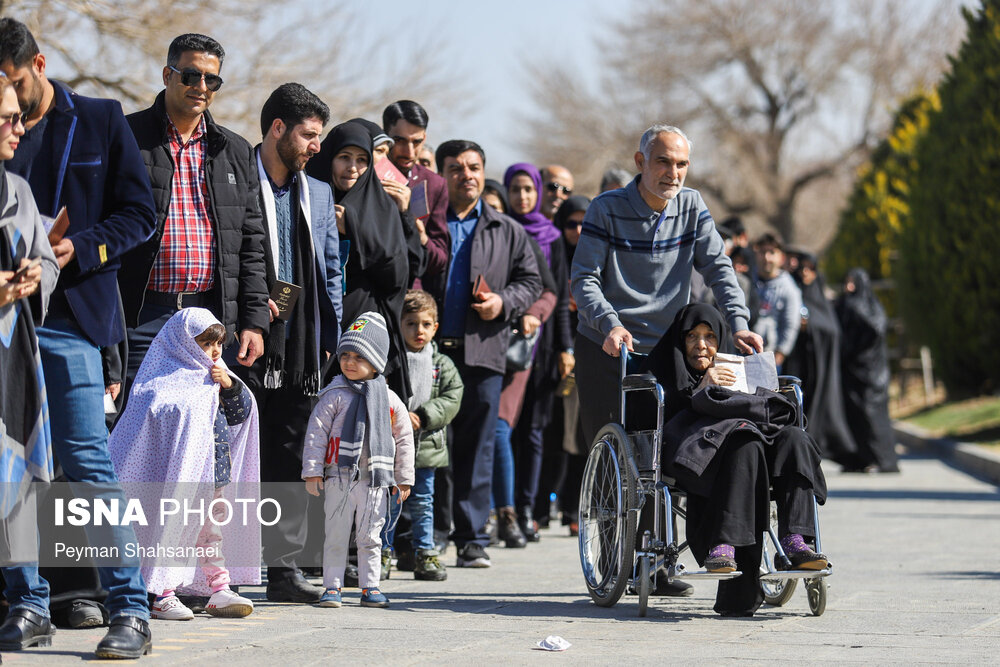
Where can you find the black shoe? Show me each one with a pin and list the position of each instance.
(806, 560)
(87, 614)
(406, 561)
(673, 589)
(196, 603)
(508, 531)
(128, 637)
(292, 587)
(23, 629)
(528, 525)
(472, 555)
(350, 576)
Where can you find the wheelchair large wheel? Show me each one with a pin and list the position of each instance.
(607, 532)
(776, 593)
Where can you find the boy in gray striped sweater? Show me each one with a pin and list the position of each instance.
(359, 451)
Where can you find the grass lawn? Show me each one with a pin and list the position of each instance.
(976, 420)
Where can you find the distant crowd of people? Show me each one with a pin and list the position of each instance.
(390, 339)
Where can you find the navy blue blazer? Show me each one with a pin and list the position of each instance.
(94, 169)
(326, 242)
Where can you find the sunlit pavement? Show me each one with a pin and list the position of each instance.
(916, 579)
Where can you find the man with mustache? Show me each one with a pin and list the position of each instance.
(632, 274)
(302, 248)
(207, 248)
(491, 278)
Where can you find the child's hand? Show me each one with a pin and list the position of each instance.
(221, 376)
(415, 421)
(404, 493)
(313, 485)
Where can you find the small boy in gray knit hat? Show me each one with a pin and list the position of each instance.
(358, 450)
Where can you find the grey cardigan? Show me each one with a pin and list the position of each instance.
(21, 213)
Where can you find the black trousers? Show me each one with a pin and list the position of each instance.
(284, 415)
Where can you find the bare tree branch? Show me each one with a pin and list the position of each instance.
(777, 95)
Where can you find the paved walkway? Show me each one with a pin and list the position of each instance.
(917, 579)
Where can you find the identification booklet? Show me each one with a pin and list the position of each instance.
(418, 201)
(757, 370)
(284, 296)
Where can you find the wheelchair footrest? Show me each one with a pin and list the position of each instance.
(705, 574)
(783, 575)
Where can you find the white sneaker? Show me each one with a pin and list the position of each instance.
(171, 609)
(228, 604)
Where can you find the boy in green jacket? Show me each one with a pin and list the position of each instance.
(437, 395)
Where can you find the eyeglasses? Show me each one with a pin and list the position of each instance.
(14, 119)
(192, 77)
(558, 187)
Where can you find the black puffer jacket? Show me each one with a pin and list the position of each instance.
(233, 186)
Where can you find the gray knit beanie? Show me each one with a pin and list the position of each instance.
(368, 337)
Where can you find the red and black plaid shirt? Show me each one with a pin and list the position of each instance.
(186, 261)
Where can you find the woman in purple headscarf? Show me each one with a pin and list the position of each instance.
(553, 355)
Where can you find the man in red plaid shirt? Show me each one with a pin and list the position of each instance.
(207, 250)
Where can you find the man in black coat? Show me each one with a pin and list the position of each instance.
(207, 249)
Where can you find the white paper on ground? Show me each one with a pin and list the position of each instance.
(554, 643)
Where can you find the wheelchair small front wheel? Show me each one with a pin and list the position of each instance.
(643, 586)
(607, 527)
(816, 590)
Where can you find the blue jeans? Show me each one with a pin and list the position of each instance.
(74, 381)
(503, 467)
(421, 507)
(421, 504)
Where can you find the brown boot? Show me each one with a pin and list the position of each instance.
(507, 529)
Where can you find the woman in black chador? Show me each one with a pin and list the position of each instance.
(377, 265)
(816, 359)
(864, 361)
(725, 449)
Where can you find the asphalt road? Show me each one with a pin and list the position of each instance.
(916, 580)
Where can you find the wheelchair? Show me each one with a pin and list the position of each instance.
(622, 475)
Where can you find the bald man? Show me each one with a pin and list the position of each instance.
(557, 187)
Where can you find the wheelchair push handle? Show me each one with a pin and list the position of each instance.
(622, 361)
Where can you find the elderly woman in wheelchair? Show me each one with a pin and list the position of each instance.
(732, 452)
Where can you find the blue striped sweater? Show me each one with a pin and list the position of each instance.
(632, 266)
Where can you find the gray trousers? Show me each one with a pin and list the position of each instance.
(349, 501)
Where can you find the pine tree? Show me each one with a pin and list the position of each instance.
(879, 208)
(948, 273)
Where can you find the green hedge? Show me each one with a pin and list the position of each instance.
(950, 243)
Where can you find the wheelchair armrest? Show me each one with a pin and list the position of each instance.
(788, 381)
(639, 381)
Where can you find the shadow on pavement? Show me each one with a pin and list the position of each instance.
(968, 574)
(915, 494)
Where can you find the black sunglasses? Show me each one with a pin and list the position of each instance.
(557, 187)
(192, 77)
(14, 119)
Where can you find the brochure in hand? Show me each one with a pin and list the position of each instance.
(757, 370)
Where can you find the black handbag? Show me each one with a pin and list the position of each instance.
(520, 350)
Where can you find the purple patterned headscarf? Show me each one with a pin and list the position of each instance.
(536, 224)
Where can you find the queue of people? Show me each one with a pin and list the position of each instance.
(417, 353)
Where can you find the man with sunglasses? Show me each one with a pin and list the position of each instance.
(207, 248)
(79, 154)
(557, 189)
